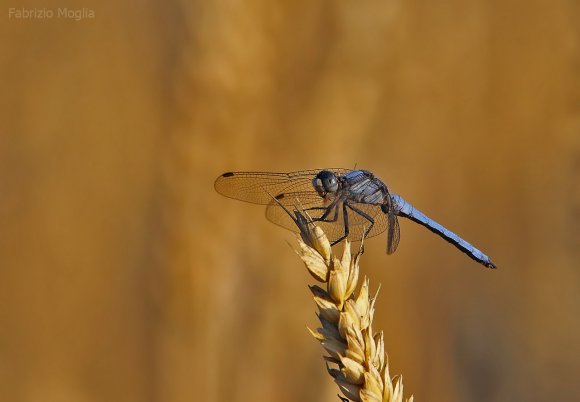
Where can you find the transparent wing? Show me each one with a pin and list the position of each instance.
(315, 207)
(394, 233)
(296, 200)
(260, 187)
(359, 224)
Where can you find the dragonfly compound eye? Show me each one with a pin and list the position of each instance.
(325, 182)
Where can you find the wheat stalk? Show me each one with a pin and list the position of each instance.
(361, 371)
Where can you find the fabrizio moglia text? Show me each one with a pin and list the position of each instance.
(64, 13)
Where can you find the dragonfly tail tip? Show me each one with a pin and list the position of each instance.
(491, 265)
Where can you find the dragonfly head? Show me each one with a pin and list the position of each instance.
(325, 182)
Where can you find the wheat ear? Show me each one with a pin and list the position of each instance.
(361, 371)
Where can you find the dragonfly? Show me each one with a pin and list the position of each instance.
(345, 203)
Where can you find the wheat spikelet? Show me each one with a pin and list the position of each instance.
(361, 372)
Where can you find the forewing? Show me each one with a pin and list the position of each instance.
(260, 187)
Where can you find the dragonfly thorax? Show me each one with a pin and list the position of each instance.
(325, 182)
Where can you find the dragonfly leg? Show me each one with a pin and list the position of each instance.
(324, 214)
(364, 215)
(346, 228)
(323, 217)
(315, 209)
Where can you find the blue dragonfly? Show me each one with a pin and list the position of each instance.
(345, 203)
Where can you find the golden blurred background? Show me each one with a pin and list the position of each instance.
(125, 277)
